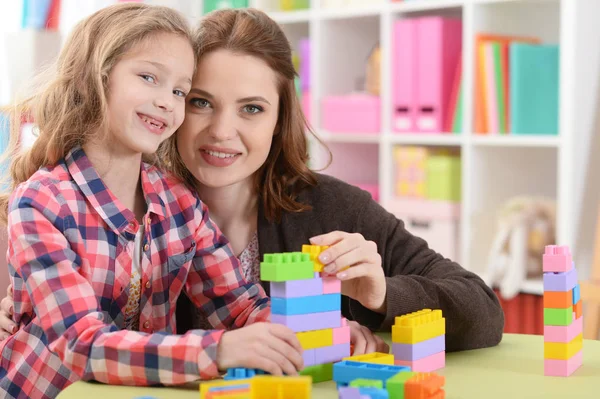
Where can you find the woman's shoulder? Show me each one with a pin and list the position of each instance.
(332, 191)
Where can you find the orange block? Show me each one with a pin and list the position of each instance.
(558, 300)
(578, 309)
(425, 386)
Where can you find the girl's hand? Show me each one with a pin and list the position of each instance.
(365, 341)
(356, 262)
(273, 348)
(7, 325)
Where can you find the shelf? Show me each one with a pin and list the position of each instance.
(350, 12)
(437, 139)
(516, 141)
(367, 138)
(290, 17)
(416, 6)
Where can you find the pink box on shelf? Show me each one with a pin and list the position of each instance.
(437, 222)
(439, 45)
(352, 113)
(404, 70)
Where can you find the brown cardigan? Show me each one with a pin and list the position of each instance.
(417, 276)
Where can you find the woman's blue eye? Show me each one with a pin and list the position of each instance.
(148, 78)
(199, 102)
(252, 109)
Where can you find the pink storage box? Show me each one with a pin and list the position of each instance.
(352, 113)
(437, 222)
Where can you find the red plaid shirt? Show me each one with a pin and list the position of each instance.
(70, 256)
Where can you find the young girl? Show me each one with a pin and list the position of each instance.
(102, 244)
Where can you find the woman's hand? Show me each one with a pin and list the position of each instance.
(364, 341)
(7, 325)
(356, 262)
(273, 348)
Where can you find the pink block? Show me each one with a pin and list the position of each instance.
(439, 46)
(404, 75)
(563, 333)
(557, 259)
(563, 368)
(332, 285)
(341, 335)
(426, 364)
(353, 113)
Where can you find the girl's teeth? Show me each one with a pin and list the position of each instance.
(220, 154)
(152, 121)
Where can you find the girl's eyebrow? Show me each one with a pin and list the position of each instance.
(164, 68)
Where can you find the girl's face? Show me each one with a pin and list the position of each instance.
(231, 114)
(146, 92)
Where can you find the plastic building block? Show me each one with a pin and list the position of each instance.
(349, 393)
(286, 266)
(332, 285)
(375, 357)
(426, 364)
(297, 288)
(205, 386)
(373, 393)
(229, 392)
(560, 281)
(418, 326)
(346, 371)
(306, 305)
(576, 294)
(314, 251)
(563, 350)
(578, 309)
(315, 339)
(558, 299)
(425, 386)
(563, 333)
(332, 354)
(270, 387)
(558, 317)
(557, 259)
(419, 350)
(309, 322)
(563, 368)
(309, 357)
(319, 373)
(341, 335)
(364, 383)
(396, 384)
(241, 373)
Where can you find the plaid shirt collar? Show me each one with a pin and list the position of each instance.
(116, 216)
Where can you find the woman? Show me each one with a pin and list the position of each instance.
(243, 147)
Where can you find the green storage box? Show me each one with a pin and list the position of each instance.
(211, 5)
(443, 180)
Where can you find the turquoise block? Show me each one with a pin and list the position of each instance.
(576, 294)
(306, 304)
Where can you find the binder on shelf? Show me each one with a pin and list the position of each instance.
(455, 110)
(404, 83)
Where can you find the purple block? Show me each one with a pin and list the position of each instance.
(297, 288)
(309, 357)
(310, 321)
(565, 281)
(332, 354)
(304, 73)
(349, 393)
(419, 350)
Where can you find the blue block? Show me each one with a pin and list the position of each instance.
(242, 373)
(306, 304)
(576, 294)
(229, 388)
(346, 371)
(374, 393)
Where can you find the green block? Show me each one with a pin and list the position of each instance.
(366, 383)
(319, 373)
(286, 267)
(395, 385)
(558, 317)
(443, 180)
(212, 5)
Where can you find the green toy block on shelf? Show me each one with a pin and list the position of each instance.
(443, 180)
(366, 383)
(558, 317)
(286, 267)
(291, 5)
(395, 385)
(212, 5)
(319, 372)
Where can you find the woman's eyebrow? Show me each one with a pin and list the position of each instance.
(201, 92)
(254, 98)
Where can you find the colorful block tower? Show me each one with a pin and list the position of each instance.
(563, 319)
(419, 340)
(310, 304)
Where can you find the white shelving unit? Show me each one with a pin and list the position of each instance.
(494, 168)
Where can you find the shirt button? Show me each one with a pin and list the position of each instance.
(148, 285)
(147, 325)
(146, 247)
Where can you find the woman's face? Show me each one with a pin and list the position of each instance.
(231, 114)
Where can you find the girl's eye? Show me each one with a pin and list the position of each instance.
(179, 93)
(199, 103)
(148, 78)
(252, 109)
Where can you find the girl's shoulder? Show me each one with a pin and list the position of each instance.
(170, 188)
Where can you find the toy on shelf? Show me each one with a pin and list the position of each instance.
(563, 319)
(411, 173)
(212, 5)
(419, 340)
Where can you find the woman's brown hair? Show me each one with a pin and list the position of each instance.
(285, 172)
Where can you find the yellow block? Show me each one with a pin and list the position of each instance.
(270, 387)
(314, 251)
(418, 326)
(205, 386)
(563, 350)
(375, 357)
(315, 339)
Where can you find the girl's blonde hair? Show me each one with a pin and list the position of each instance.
(70, 105)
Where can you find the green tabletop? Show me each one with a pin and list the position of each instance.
(512, 370)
